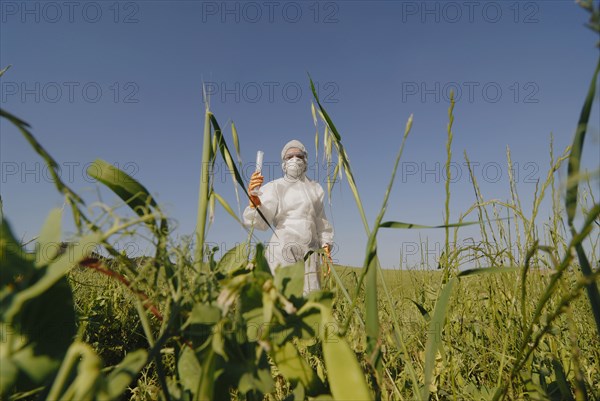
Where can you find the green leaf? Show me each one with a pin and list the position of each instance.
(311, 318)
(189, 369)
(45, 328)
(298, 394)
(254, 320)
(561, 379)
(206, 387)
(289, 280)
(218, 344)
(488, 270)
(346, 378)
(260, 262)
(49, 239)
(48, 320)
(54, 272)
(234, 259)
(13, 257)
(294, 368)
(35, 367)
(256, 379)
(434, 337)
(204, 314)
(122, 376)
(41, 315)
(8, 374)
(306, 323)
(126, 187)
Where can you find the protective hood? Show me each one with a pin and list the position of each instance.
(294, 169)
(294, 144)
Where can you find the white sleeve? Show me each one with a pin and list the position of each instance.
(269, 203)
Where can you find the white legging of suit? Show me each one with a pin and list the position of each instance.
(295, 209)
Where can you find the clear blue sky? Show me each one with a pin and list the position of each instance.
(122, 81)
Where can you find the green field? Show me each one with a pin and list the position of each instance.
(483, 331)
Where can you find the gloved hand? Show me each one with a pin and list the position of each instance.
(255, 182)
(327, 249)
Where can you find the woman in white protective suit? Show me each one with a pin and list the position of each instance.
(293, 205)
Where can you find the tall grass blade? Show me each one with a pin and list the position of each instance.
(342, 287)
(526, 348)
(203, 192)
(446, 256)
(53, 167)
(572, 194)
(488, 270)
(2, 71)
(434, 337)
(226, 206)
(370, 264)
(398, 338)
(577, 148)
(315, 122)
(591, 288)
(238, 154)
(402, 225)
(236, 143)
(342, 154)
(226, 155)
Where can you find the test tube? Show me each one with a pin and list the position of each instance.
(259, 163)
(259, 160)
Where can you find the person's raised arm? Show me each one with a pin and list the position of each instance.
(267, 203)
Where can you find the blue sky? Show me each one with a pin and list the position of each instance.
(122, 81)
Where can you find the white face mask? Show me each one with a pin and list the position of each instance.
(294, 168)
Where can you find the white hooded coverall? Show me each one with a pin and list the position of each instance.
(295, 209)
